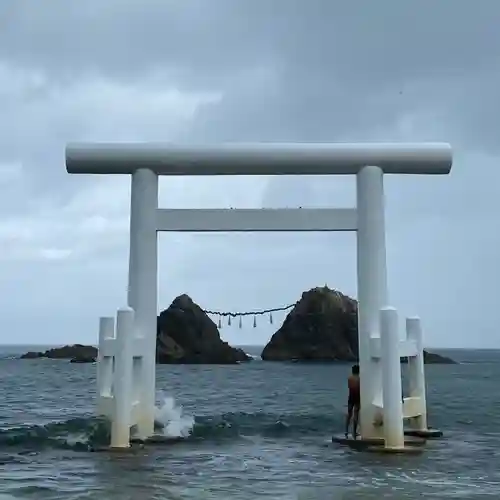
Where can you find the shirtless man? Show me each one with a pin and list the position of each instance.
(353, 403)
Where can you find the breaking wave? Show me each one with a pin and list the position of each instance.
(88, 434)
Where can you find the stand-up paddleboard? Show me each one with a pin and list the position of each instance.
(363, 444)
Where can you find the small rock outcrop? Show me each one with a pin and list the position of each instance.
(33, 355)
(431, 358)
(77, 353)
(187, 335)
(82, 359)
(323, 326)
(438, 359)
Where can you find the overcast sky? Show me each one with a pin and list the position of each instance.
(227, 70)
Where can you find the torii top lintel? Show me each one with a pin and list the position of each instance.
(259, 158)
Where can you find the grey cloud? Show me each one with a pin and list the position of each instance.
(197, 71)
(392, 37)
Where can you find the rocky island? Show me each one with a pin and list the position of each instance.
(185, 335)
(323, 326)
(76, 353)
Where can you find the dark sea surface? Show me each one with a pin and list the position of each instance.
(259, 430)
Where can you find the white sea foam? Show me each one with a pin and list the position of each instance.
(172, 418)
(253, 356)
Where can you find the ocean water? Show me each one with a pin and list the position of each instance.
(259, 430)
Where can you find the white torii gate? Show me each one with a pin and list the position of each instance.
(369, 162)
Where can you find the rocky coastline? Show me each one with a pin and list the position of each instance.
(321, 327)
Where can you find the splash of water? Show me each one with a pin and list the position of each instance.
(174, 421)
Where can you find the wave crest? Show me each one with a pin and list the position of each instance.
(86, 434)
